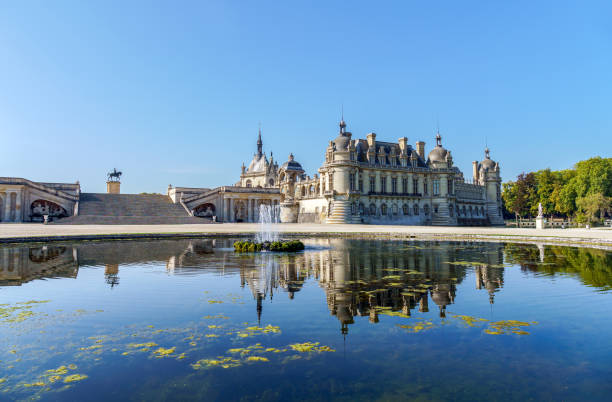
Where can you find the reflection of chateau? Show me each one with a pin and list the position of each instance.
(19, 265)
(359, 277)
(361, 181)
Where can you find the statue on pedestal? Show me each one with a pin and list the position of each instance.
(114, 175)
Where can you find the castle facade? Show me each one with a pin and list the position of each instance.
(377, 182)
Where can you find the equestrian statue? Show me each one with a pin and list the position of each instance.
(114, 175)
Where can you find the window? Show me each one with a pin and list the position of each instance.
(249, 183)
(361, 209)
(425, 186)
(406, 209)
(372, 184)
(415, 186)
(360, 185)
(404, 185)
(383, 185)
(372, 209)
(482, 210)
(352, 156)
(451, 210)
(435, 208)
(426, 209)
(436, 187)
(416, 209)
(352, 181)
(271, 182)
(450, 186)
(383, 209)
(394, 185)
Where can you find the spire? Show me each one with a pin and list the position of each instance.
(259, 143)
(487, 153)
(342, 123)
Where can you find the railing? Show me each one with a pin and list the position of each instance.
(397, 194)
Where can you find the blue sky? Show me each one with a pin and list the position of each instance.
(172, 92)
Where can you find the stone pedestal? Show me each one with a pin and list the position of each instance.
(288, 212)
(540, 221)
(113, 187)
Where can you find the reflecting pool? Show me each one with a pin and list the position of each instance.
(344, 320)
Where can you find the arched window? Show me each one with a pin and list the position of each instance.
(304, 191)
(249, 183)
(406, 209)
(416, 209)
(372, 209)
(426, 209)
(271, 182)
(312, 190)
(383, 209)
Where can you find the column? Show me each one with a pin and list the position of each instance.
(7, 207)
(249, 210)
(221, 211)
(232, 218)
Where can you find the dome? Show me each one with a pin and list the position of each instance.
(441, 298)
(292, 165)
(487, 162)
(438, 154)
(342, 141)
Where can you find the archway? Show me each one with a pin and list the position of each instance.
(38, 208)
(240, 211)
(206, 210)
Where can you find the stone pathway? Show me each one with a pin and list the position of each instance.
(31, 231)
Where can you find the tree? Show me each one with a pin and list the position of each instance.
(519, 196)
(593, 203)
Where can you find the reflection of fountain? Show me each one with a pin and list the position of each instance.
(269, 215)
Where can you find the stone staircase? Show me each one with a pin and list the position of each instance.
(442, 218)
(129, 209)
(341, 213)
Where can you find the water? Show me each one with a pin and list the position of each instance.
(392, 320)
(269, 216)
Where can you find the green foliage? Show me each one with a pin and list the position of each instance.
(247, 246)
(593, 203)
(580, 192)
(292, 245)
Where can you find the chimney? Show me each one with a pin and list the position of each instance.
(402, 143)
(420, 148)
(475, 171)
(371, 139)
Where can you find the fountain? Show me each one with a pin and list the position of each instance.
(267, 238)
(269, 216)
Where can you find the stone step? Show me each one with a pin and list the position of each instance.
(130, 220)
(143, 205)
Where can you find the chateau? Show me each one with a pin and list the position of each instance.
(361, 181)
